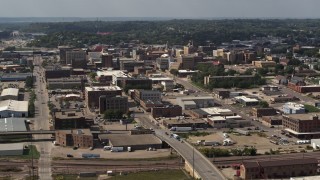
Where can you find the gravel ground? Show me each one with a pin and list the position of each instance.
(58, 151)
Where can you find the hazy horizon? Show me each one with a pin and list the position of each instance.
(178, 9)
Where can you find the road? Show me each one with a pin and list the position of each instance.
(202, 165)
(42, 122)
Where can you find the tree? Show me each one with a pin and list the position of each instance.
(29, 82)
(262, 71)
(248, 72)
(289, 70)
(10, 48)
(92, 75)
(263, 104)
(174, 72)
(109, 114)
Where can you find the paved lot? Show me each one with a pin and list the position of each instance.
(212, 137)
(58, 151)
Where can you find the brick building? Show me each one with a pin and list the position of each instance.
(280, 168)
(259, 112)
(302, 126)
(69, 120)
(166, 111)
(92, 94)
(57, 72)
(81, 138)
(272, 120)
(117, 103)
(141, 95)
(136, 83)
(298, 84)
(76, 58)
(107, 60)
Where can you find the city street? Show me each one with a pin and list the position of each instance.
(42, 122)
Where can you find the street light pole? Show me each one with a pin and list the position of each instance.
(193, 162)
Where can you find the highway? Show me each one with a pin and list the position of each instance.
(42, 122)
(202, 165)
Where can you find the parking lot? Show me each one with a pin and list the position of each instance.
(262, 143)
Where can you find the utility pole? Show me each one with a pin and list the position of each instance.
(32, 165)
(193, 162)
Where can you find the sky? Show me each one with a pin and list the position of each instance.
(162, 8)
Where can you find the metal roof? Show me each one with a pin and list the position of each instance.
(12, 124)
(11, 146)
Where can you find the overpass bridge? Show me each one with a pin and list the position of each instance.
(199, 165)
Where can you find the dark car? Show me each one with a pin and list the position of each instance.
(75, 148)
(69, 155)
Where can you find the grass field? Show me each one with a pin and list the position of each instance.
(154, 175)
(310, 108)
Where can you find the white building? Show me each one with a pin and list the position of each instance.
(246, 101)
(115, 75)
(315, 143)
(215, 111)
(195, 102)
(9, 93)
(13, 108)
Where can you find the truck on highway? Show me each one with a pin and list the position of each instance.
(181, 129)
(243, 132)
(116, 149)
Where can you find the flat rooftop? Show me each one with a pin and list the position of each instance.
(118, 73)
(215, 110)
(11, 146)
(69, 114)
(10, 92)
(217, 118)
(189, 98)
(103, 88)
(246, 99)
(183, 121)
(119, 140)
(12, 105)
(302, 116)
(12, 124)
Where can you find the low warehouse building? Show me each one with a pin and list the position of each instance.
(12, 149)
(136, 142)
(9, 93)
(12, 108)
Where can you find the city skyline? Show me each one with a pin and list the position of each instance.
(164, 8)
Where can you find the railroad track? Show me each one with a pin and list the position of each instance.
(239, 159)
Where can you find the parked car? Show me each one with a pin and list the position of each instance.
(75, 148)
(69, 155)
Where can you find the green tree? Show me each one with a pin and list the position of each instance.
(29, 82)
(10, 48)
(174, 72)
(92, 75)
(109, 114)
(263, 104)
(289, 70)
